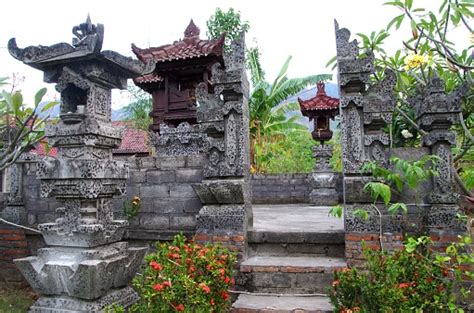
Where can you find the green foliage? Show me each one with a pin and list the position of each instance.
(139, 109)
(269, 118)
(377, 190)
(286, 154)
(185, 276)
(336, 211)
(410, 280)
(20, 124)
(226, 22)
(14, 300)
(336, 158)
(130, 209)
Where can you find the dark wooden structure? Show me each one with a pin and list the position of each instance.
(180, 67)
(320, 109)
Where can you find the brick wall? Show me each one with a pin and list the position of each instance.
(13, 245)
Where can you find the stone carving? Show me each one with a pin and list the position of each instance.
(88, 266)
(186, 139)
(436, 112)
(223, 117)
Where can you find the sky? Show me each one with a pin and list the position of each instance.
(302, 29)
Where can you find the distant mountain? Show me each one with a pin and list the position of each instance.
(117, 115)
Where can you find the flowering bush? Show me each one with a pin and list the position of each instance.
(187, 277)
(130, 209)
(410, 280)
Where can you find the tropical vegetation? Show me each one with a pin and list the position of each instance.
(21, 125)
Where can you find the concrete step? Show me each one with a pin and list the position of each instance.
(295, 243)
(297, 229)
(289, 274)
(248, 303)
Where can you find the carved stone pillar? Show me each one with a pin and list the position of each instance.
(224, 118)
(85, 266)
(323, 179)
(15, 210)
(436, 112)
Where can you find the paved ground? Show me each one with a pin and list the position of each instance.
(295, 218)
(283, 303)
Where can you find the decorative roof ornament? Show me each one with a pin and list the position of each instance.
(192, 30)
(319, 102)
(320, 109)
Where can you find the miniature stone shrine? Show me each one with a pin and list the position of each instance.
(85, 266)
(321, 109)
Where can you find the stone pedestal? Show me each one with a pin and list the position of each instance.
(323, 179)
(86, 267)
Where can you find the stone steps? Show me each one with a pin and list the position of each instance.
(247, 303)
(296, 243)
(293, 253)
(290, 274)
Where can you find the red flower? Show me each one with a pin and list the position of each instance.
(166, 284)
(222, 271)
(212, 302)
(403, 285)
(192, 269)
(227, 279)
(232, 281)
(205, 288)
(335, 283)
(188, 261)
(156, 266)
(179, 307)
(224, 295)
(158, 287)
(209, 267)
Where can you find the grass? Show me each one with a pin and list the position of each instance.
(16, 300)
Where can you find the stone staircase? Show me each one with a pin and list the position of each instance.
(294, 250)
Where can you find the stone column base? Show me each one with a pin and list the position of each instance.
(324, 197)
(64, 304)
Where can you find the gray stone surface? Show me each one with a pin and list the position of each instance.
(124, 297)
(285, 303)
(87, 259)
(295, 218)
(322, 264)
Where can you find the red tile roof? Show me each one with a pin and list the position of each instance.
(320, 102)
(134, 141)
(191, 46)
(40, 149)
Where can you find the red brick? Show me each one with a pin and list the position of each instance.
(361, 237)
(9, 244)
(14, 252)
(12, 237)
(238, 238)
(220, 238)
(448, 239)
(201, 237)
(12, 231)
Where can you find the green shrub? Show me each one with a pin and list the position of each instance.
(410, 280)
(185, 276)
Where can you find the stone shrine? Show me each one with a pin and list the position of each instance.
(180, 67)
(321, 109)
(85, 266)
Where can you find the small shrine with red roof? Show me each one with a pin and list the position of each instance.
(180, 67)
(320, 109)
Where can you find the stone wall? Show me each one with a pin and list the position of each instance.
(169, 204)
(285, 188)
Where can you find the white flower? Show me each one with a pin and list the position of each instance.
(406, 134)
